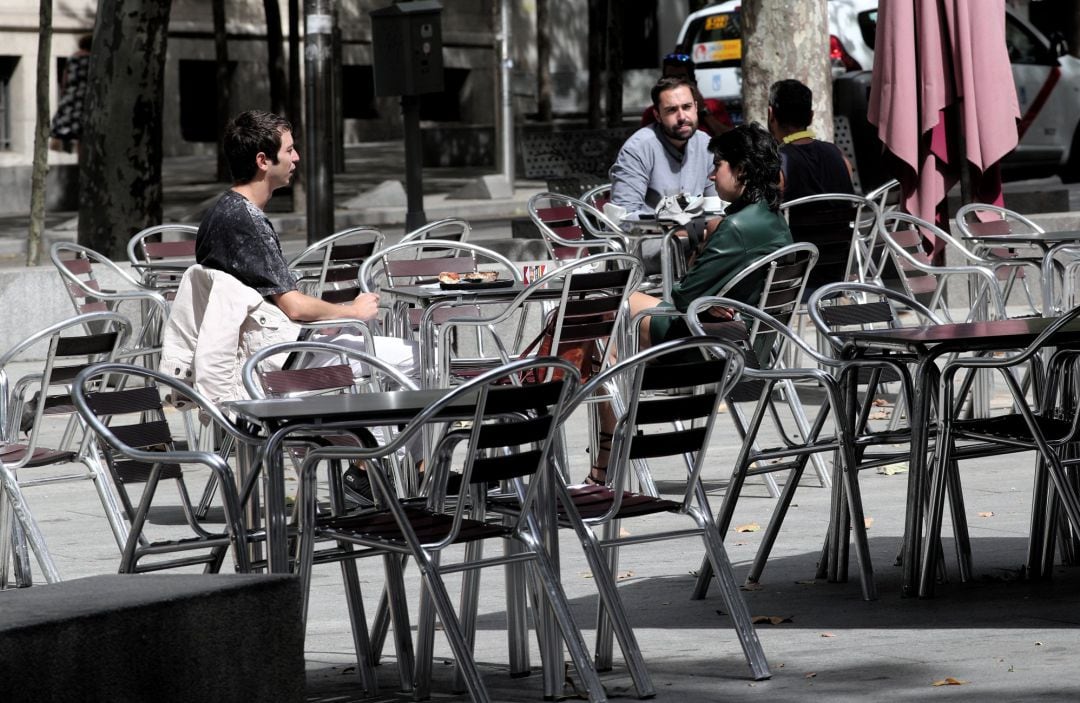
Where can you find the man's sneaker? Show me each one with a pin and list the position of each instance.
(357, 486)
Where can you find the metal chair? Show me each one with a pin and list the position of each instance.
(79, 267)
(330, 268)
(1048, 425)
(982, 218)
(572, 229)
(450, 229)
(1060, 268)
(161, 243)
(410, 263)
(843, 227)
(133, 440)
(912, 247)
(502, 442)
(656, 418)
(39, 405)
(762, 382)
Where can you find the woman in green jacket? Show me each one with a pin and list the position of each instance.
(747, 175)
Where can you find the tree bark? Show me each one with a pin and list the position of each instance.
(275, 56)
(543, 61)
(221, 61)
(786, 40)
(614, 62)
(296, 103)
(597, 54)
(41, 136)
(120, 149)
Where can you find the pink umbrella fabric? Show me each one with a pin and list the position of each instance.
(942, 66)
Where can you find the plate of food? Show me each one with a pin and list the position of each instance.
(473, 280)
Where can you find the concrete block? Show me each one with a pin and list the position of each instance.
(153, 637)
(386, 194)
(492, 186)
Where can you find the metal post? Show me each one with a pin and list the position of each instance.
(506, 104)
(414, 177)
(318, 54)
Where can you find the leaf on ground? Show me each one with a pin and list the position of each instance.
(623, 575)
(827, 634)
(811, 582)
(810, 675)
(893, 469)
(987, 513)
(867, 522)
(880, 401)
(751, 587)
(879, 415)
(769, 619)
(748, 527)
(950, 681)
(623, 532)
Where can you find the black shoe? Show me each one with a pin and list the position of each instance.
(357, 486)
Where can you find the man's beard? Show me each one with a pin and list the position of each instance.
(672, 133)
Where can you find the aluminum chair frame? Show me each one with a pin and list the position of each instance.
(792, 457)
(635, 386)
(103, 344)
(400, 538)
(342, 254)
(134, 445)
(586, 219)
(142, 251)
(435, 230)
(981, 273)
(1007, 217)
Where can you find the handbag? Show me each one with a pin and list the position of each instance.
(583, 354)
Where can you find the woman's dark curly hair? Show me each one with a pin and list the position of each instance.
(751, 151)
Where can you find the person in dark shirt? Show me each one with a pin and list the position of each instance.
(235, 236)
(808, 166)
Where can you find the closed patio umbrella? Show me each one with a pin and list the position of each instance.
(943, 99)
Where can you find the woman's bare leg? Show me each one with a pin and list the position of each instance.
(598, 473)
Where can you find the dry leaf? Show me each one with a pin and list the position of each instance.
(811, 582)
(623, 532)
(893, 469)
(950, 681)
(748, 527)
(880, 401)
(988, 513)
(880, 415)
(811, 675)
(868, 521)
(827, 634)
(751, 587)
(770, 619)
(623, 575)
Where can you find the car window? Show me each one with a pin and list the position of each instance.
(868, 27)
(718, 41)
(1023, 47)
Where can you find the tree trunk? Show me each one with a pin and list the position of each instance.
(614, 62)
(786, 40)
(221, 61)
(543, 61)
(41, 136)
(275, 57)
(120, 148)
(597, 54)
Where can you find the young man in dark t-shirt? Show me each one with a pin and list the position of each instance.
(235, 235)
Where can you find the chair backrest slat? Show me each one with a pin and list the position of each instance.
(143, 435)
(166, 250)
(130, 400)
(336, 377)
(85, 345)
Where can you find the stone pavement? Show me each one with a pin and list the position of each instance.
(1002, 636)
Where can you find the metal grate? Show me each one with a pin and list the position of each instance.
(7, 68)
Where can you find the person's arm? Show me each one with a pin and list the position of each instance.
(630, 181)
(301, 307)
(722, 258)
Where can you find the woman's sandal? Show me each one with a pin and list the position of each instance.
(598, 474)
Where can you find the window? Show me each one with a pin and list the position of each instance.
(358, 92)
(198, 114)
(445, 106)
(7, 69)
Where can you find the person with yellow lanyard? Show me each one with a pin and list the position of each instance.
(808, 166)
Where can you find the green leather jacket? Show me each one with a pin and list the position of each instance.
(744, 236)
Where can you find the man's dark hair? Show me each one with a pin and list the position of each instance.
(666, 84)
(682, 61)
(246, 135)
(751, 151)
(792, 103)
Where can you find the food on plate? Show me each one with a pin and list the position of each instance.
(452, 278)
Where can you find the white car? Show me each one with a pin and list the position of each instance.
(1047, 79)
